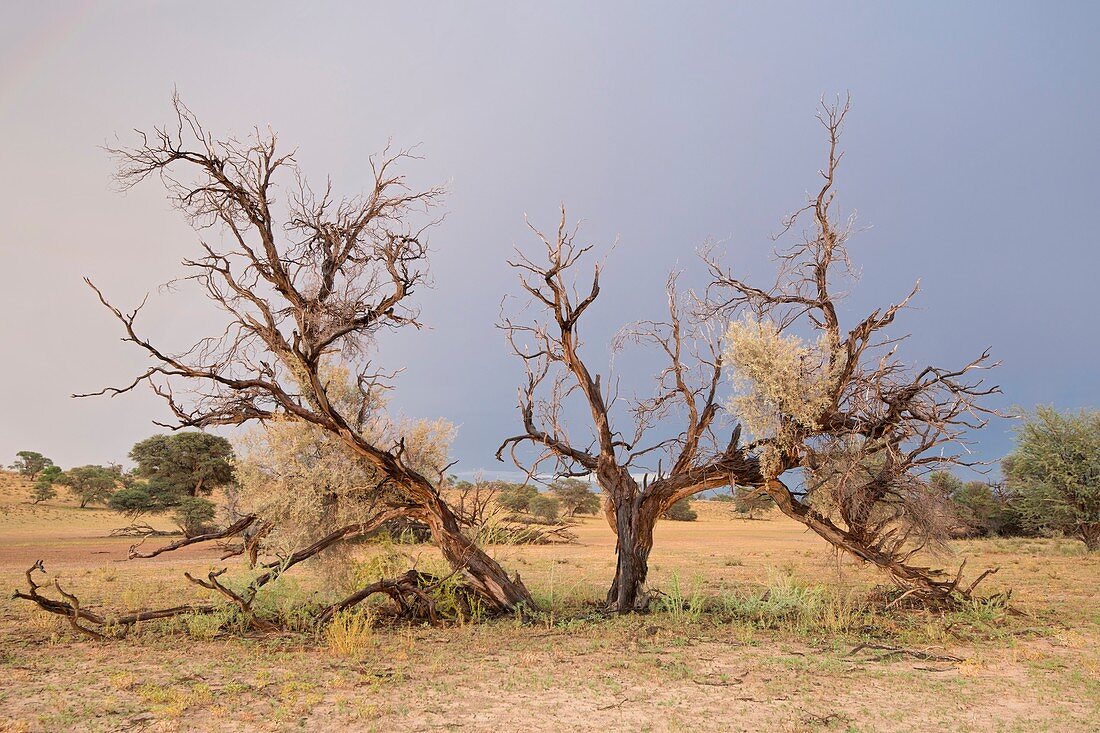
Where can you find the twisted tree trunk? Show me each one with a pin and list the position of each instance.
(634, 523)
(926, 582)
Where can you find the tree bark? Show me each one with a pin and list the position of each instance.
(634, 526)
(1090, 535)
(632, 515)
(483, 573)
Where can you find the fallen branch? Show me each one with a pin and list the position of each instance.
(72, 610)
(413, 583)
(892, 651)
(141, 530)
(361, 529)
(234, 529)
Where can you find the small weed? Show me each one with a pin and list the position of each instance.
(683, 608)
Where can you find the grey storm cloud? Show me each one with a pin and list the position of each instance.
(971, 160)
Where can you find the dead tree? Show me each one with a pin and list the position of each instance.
(302, 282)
(844, 430)
(556, 372)
(864, 431)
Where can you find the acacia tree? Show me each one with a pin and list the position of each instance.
(843, 415)
(30, 463)
(90, 484)
(188, 463)
(1054, 473)
(575, 497)
(43, 489)
(301, 282)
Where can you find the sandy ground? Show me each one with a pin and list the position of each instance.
(572, 670)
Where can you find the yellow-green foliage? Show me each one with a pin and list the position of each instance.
(205, 626)
(308, 482)
(780, 381)
(449, 594)
(789, 604)
(349, 632)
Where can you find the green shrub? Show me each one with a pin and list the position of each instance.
(544, 508)
(681, 511)
(1054, 473)
(517, 497)
(205, 626)
(193, 515)
(43, 487)
(131, 502)
(575, 497)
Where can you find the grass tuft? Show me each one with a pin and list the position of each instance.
(349, 632)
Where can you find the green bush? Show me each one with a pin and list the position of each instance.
(575, 497)
(43, 490)
(1054, 473)
(131, 502)
(517, 497)
(193, 515)
(544, 507)
(43, 485)
(90, 484)
(681, 511)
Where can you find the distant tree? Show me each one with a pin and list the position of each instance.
(42, 491)
(543, 507)
(30, 463)
(90, 484)
(981, 508)
(1055, 473)
(575, 497)
(43, 487)
(681, 511)
(193, 515)
(751, 501)
(132, 502)
(183, 464)
(517, 497)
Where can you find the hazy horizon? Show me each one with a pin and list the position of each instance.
(971, 161)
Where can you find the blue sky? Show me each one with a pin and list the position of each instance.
(972, 164)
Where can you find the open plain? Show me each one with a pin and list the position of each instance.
(746, 637)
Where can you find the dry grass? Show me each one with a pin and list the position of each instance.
(754, 632)
(350, 632)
